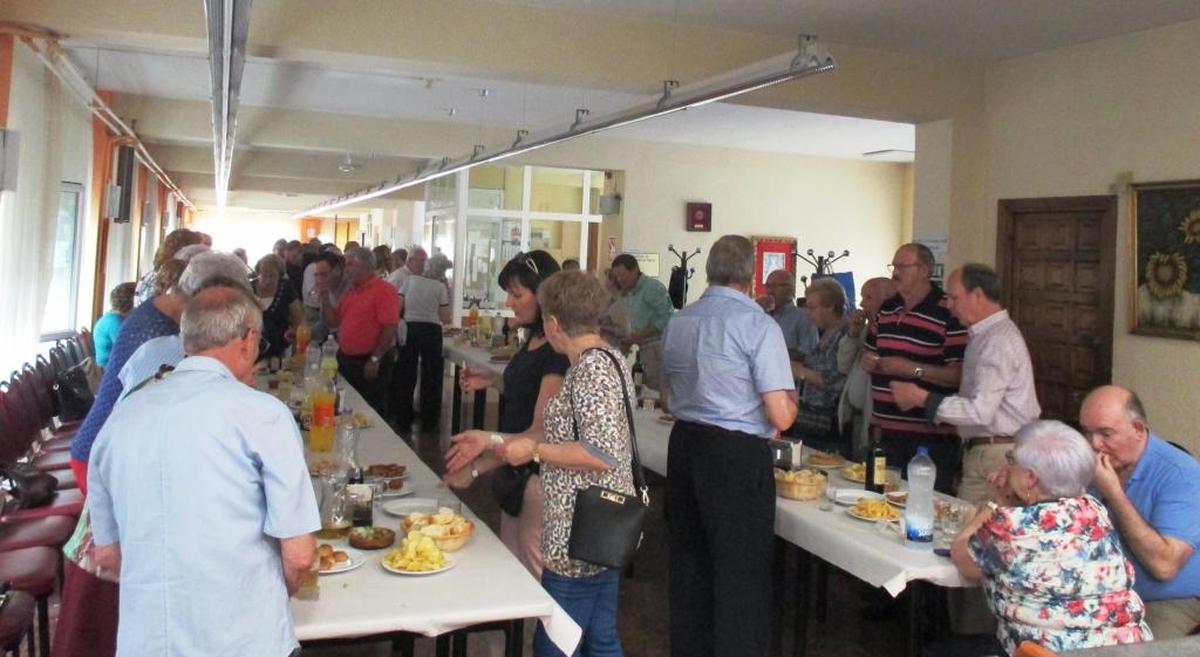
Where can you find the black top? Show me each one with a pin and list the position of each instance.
(523, 380)
(277, 320)
(295, 278)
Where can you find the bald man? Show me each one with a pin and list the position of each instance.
(799, 334)
(1152, 491)
(854, 407)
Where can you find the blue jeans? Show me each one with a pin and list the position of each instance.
(592, 603)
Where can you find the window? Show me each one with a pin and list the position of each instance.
(59, 317)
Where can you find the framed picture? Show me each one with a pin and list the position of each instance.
(1165, 222)
(771, 253)
(698, 217)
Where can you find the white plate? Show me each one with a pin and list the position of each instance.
(842, 472)
(851, 497)
(402, 508)
(449, 564)
(854, 514)
(392, 494)
(356, 559)
(897, 498)
(825, 466)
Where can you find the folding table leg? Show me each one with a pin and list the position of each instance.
(458, 644)
(455, 403)
(802, 604)
(441, 645)
(479, 408)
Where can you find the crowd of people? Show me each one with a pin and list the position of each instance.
(1082, 537)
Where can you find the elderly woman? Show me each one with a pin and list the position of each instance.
(586, 441)
(282, 313)
(819, 374)
(532, 377)
(1047, 552)
(171, 244)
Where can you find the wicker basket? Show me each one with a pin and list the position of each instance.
(798, 490)
(452, 543)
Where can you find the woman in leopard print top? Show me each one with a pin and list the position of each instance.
(585, 441)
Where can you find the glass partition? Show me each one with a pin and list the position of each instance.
(495, 188)
(560, 239)
(491, 242)
(556, 190)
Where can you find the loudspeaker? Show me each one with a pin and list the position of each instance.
(125, 160)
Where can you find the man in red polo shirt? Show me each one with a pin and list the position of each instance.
(365, 319)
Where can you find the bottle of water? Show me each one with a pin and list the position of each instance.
(918, 514)
(312, 357)
(329, 351)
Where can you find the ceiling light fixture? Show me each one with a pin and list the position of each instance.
(811, 59)
(894, 154)
(228, 23)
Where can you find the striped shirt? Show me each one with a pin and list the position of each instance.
(927, 334)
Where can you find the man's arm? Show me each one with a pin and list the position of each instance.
(780, 407)
(1161, 556)
(947, 375)
(298, 554)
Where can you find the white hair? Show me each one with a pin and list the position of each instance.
(212, 264)
(214, 320)
(1060, 456)
(437, 265)
(362, 255)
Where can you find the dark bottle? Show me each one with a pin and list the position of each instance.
(361, 511)
(876, 468)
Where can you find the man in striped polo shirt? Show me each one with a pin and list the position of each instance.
(915, 339)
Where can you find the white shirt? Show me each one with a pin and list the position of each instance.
(308, 287)
(197, 477)
(398, 277)
(423, 297)
(996, 396)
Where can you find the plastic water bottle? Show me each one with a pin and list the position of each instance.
(312, 357)
(329, 351)
(918, 514)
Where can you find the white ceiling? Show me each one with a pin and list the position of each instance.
(988, 30)
(415, 96)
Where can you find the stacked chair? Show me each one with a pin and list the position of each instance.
(31, 540)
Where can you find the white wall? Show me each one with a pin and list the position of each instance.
(1069, 122)
(825, 203)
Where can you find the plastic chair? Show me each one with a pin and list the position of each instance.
(1031, 649)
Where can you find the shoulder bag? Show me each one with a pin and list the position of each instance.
(606, 528)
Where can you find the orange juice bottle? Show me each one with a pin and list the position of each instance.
(303, 337)
(320, 435)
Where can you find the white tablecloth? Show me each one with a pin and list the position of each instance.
(487, 583)
(855, 546)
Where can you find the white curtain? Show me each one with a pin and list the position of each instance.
(28, 216)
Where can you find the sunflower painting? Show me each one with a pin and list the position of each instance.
(1166, 238)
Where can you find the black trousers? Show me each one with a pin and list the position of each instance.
(421, 353)
(721, 528)
(375, 391)
(944, 450)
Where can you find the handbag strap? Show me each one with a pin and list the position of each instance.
(639, 477)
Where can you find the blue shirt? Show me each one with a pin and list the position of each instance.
(798, 332)
(148, 359)
(720, 354)
(144, 323)
(104, 335)
(1165, 488)
(196, 477)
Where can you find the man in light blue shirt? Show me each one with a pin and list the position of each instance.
(148, 360)
(200, 497)
(799, 334)
(729, 383)
(1152, 491)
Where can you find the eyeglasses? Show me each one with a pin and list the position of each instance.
(527, 260)
(893, 267)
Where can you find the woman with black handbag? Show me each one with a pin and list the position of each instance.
(587, 453)
(532, 377)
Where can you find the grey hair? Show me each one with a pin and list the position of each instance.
(924, 255)
(216, 316)
(437, 265)
(191, 251)
(975, 276)
(362, 255)
(730, 261)
(829, 293)
(208, 265)
(1060, 456)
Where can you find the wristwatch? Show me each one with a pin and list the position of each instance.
(375, 359)
(496, 439)
(918, 372)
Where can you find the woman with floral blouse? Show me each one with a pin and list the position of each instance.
(822, 381)
(585, 440)
(1047, 552)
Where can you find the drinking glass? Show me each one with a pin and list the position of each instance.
(830, 495)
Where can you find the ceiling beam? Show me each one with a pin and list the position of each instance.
(228, 23)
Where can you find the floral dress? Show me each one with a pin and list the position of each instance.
(591, 399)
(1055, 574)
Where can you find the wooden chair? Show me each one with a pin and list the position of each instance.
(1031, 649)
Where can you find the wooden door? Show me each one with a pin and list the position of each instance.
(1057, 259)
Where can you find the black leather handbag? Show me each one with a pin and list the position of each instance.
(606, 528)
(72, 396)
(28, 486)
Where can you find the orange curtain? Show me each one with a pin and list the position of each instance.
(102, 155)
(6, 61)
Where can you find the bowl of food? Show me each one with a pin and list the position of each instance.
(372, 538)
(448, 529)
(802, 484)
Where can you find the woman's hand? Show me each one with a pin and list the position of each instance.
(517, 451)
(471, 379)
(459, 479)
(467, 446)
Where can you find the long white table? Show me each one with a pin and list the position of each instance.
(487, 583)
(855, 546)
